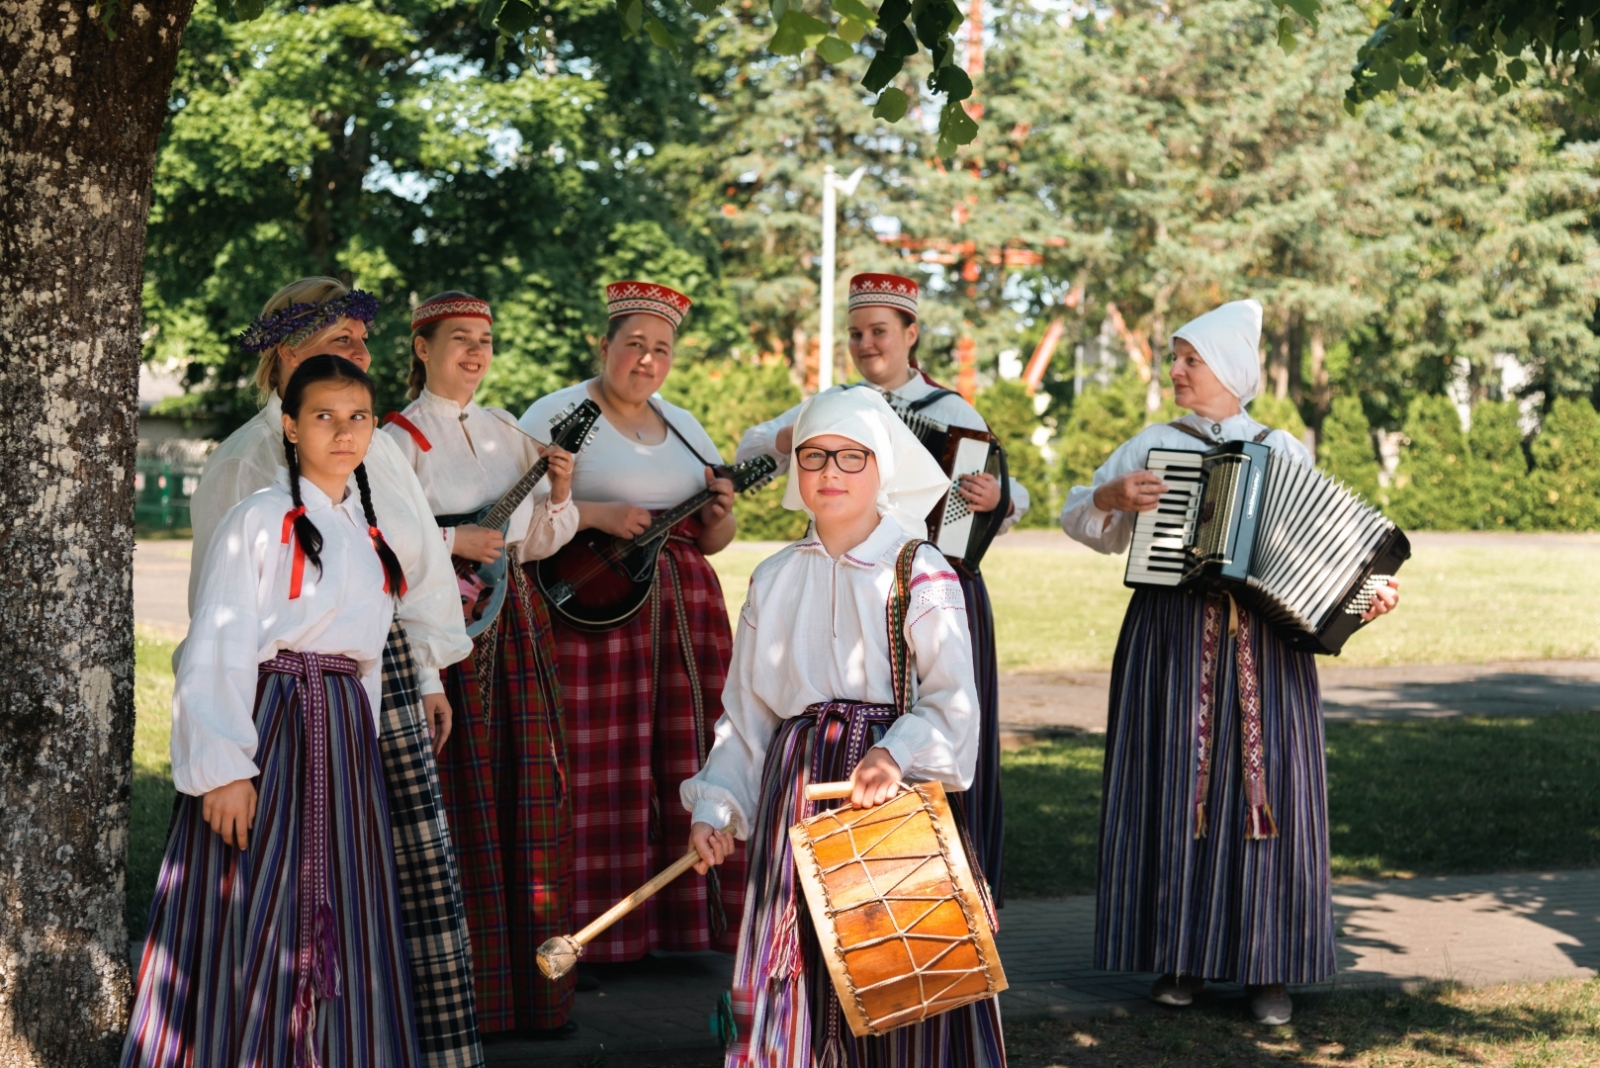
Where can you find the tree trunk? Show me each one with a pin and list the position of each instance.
(1278, 363)
(1321, 394)
(1296, 360)
(82, 113)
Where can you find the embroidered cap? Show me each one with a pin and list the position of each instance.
(883, 291)
(646, 298)
(453, 307)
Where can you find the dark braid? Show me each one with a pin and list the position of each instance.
(305, 531)
(391, 563)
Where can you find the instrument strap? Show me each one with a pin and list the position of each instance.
(409, 427)
(899, 608)
(937, 395)
(1193, 433)
(677, 434)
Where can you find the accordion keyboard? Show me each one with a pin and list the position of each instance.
(1159, 555)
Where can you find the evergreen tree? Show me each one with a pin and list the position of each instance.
(1009, 411)
(1500, 467)
(1566, 467)
(1100, 420)
(1345, 449)
(1435, 484)
(1280, 413)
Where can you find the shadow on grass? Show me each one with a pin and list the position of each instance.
(1553, 1023)
(1052, 809)
(149, 821)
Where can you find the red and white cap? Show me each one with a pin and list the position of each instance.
(883, 291)
(452, 307)
(646, 298)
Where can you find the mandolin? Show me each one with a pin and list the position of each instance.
(483, 586)
(598, 581)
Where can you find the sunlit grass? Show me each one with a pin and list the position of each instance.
(152, 771)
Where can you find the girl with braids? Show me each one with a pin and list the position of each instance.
(306, 318)
(275, 934)
(504, 773)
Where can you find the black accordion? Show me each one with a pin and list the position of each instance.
(960, 533)
(1287, 541)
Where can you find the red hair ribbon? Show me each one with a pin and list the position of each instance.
(298, 571)
(377, 536)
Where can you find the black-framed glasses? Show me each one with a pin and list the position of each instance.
(850, 461)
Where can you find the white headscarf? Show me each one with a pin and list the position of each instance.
(910, 483)
(1229, 340)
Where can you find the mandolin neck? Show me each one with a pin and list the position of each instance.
(497, 517)
(669, 519)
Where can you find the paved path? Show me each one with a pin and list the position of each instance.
(1470, 929)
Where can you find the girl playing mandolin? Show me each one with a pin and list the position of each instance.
(641, 697)
(813, 695)
(884, 335)
(504, 772)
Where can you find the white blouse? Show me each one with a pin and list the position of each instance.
(475, 454)
(1110, 532)
(812, 629)
(430, 611)
(951, 410)
(613, 467)
(243, 616)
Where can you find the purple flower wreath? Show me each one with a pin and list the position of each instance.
(294, 324)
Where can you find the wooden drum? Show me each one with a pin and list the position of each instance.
(897, 909)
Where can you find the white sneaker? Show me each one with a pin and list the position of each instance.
(1176, 990)
(1270, 1005)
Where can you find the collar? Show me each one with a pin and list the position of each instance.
(444, 406)
(914, 389)
(1234, 428)
(311, 494)
(884, 538)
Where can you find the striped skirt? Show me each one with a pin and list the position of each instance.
(641, 701)
(290, 952)
(1223, 906)
(785, 1008)
(986, 823)
(430, 889)
(505, 788)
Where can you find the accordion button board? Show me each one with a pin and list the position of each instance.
(1286, 540)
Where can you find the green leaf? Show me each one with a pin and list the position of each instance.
(487, 12)
(797, 32)
(893, 12)
(631, 12)
(704, 7)
(515, 19)
(1286, 38)
(779, 8)
(1306, 9)
(1517, 70)
(1501, 87)
(1388, 75)
(661, 35)
(956, 128)
(1413, 74)
(851, 30)
(834, 50)
(248, 10)
(891, 105)
(952, 81)
(900, 44)
(881, 71)
(854, 9)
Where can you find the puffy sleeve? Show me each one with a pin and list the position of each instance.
(226, 481)
(545, 525)
(938, 739)
(1020, 500)
(1106, 532)
(1280, 441)
(726, 792)
(430, 612)
(761, 440)
(214, 695)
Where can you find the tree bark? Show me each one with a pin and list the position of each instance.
(1321, 393)
(81, 116)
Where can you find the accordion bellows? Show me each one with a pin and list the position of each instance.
(1298, 548)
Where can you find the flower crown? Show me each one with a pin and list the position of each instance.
(292, 325)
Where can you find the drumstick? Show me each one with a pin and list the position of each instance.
(559, 954)
(829, 791)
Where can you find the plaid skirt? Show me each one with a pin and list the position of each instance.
(785, 1007)
(641, 701)
(430, 887)
(505, 789)
(288, 953)
(1217, 905)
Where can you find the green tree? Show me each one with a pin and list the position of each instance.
(1100, 420)
(1008, 410)
(1434, 485)
(1566, 459)
(1499, 467)
(1280, 413)
(1345, 449)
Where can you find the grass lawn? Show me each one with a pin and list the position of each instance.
(152, 772)
(1555, 1024)
(1061, 610)
(1425, 797)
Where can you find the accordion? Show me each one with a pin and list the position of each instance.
(960, 533)
(1298, 548)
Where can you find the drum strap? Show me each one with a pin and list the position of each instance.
(899, 608)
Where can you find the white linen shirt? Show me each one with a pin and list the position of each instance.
(430, 611)
(243, 617)
(811, 630)
(1111, 532)
(951, 410)
(475, 455)
(615, 467)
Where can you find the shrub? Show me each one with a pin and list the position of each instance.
(1100, 420)
(1008, 410)
(1434, 485)
(1280, 414)
(1345, 449)
(1499, 468)
(1565, 482)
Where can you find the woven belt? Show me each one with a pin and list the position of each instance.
(317, 972)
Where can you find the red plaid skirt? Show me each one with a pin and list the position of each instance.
(505, 790)
(641, 702)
